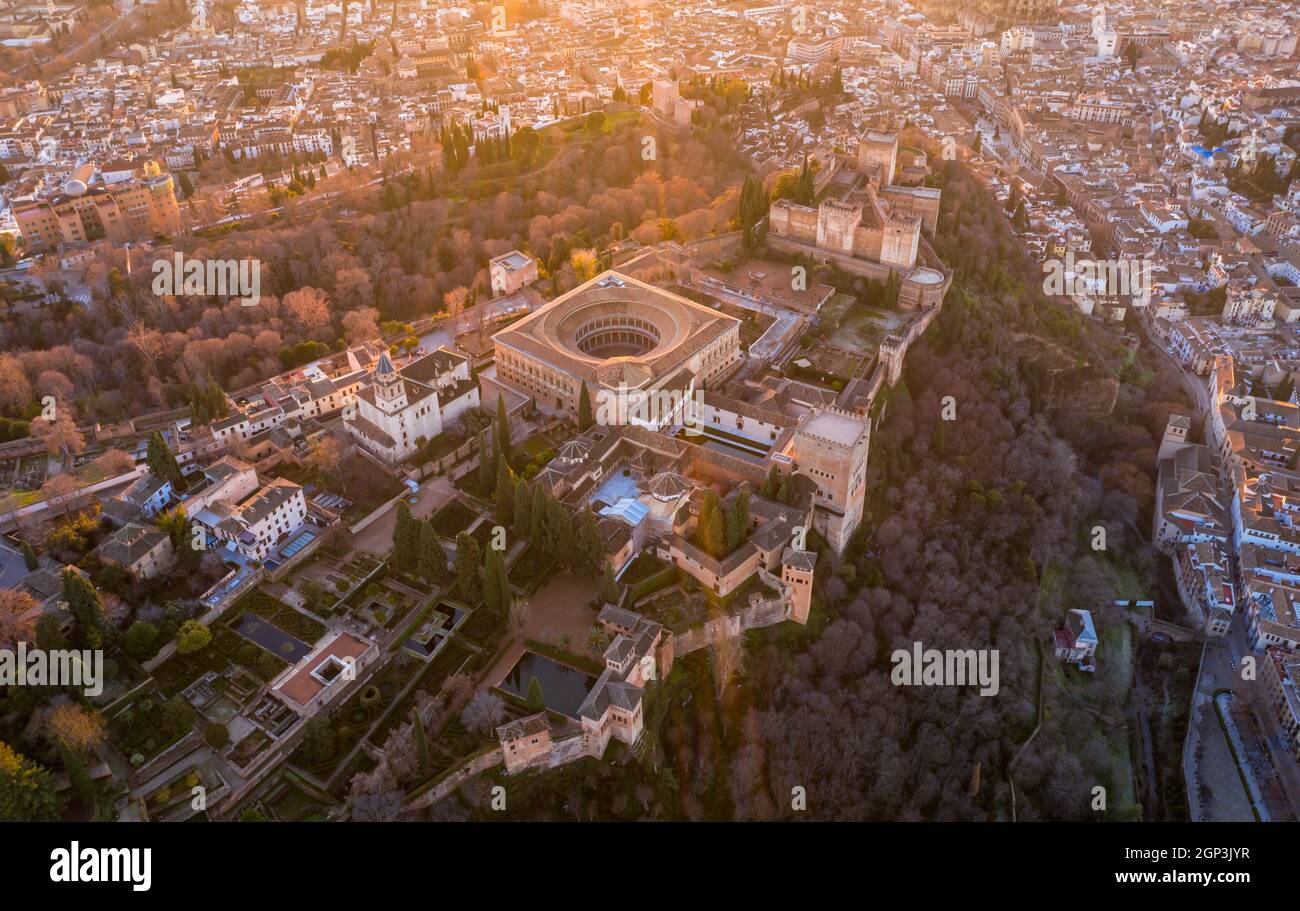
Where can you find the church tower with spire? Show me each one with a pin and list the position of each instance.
(397, 411)
(390, 391)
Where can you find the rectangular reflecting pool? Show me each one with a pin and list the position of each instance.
(563, 687)
(731, 444)
(272, 638)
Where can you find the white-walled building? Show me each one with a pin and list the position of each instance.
(398, 411)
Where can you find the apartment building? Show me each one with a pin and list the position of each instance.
(1272, 613)
(1204, 578)
(133, 210)
(256, 525)
(1280, 676)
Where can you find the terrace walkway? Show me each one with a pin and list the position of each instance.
(377, 537)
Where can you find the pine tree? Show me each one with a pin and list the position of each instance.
(26, 789)
(585, 418)
(29, 558)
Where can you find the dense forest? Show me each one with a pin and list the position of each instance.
(980, 536)
(395, 252)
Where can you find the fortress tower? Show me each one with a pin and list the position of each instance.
(892, 349)
(878, 156)
(797, 568)
(837, 223)
(901, 242)
(830, 448)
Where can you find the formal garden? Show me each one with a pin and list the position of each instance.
(323, 582)
(226, 648)
(453, 518)
(386, 606)
(331, 737)
(288, 619)
(531, 569)
(150, 725)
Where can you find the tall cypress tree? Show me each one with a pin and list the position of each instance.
(538, 516)
(505, 505)
(803, 194)
(467, 568)
(741, 508)
(713, 530)
(161, 460)
(523, 504)
(491, 582)
(406, 539)
(503, 428)
(431, 563)
(585, 418)
(85, 606)
(608, 586)
(536, 698)
(486, 466)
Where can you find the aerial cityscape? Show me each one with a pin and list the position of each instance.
(622, 410)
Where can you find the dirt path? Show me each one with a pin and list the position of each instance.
(561, 606)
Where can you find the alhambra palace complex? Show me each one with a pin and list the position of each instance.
(624, 339)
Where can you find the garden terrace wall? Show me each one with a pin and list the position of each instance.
(446, 462)
(379, 511)
(765, 613)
